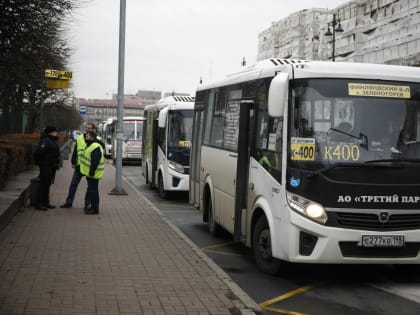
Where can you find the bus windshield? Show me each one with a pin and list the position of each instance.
(353, 121)
(179, 136)
(131, 132)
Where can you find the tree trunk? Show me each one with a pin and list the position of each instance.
(17, 112)
(4, 122)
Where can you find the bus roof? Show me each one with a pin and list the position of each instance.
(173, 102)
(110, 120)
(318, 69)
(134, 118)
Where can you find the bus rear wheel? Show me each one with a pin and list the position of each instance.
(161, 188)
(214, 228)
(146, 175)
(261, 246)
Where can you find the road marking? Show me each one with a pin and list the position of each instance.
(211, 249)
(267, 304)
(281, 311)
(216, 246)
(410, 291)
(221, 252)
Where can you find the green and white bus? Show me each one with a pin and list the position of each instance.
(311, 162)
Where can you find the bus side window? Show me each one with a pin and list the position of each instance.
(218, 124)
(162, 138)
(268, 140)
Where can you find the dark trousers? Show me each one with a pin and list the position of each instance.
(75, 180)
(92, 193)
(46, 174)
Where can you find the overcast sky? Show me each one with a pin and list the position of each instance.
(170, 44)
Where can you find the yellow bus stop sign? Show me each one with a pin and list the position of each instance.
(51, 74)
(58, 84)
(65, 75)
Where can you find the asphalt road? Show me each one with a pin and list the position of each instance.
(305, 289)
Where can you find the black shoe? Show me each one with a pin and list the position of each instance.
(65, 206)
(41, 207)
(49, 206)
(91, 211)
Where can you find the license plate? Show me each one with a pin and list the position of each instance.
(382, 240)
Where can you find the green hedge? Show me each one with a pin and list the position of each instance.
(17, 151)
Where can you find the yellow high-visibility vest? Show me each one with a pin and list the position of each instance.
(86, 160)
(81, 146)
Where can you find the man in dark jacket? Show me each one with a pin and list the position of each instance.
(47, 156)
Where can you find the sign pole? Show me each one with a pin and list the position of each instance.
(118, 190)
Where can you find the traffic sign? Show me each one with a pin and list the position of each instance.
(58, 84)
(65, 75)
(82, 109)
(50, 73)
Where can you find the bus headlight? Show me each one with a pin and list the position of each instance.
(176, 167)
(308, 208)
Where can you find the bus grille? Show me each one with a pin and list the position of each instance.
(133, 149)
(370, 221)
(352, 249)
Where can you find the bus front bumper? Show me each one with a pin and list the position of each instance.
(306, 241)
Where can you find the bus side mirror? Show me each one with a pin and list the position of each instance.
(277, 94)
(162, 117)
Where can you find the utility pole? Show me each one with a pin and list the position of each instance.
(118, 190)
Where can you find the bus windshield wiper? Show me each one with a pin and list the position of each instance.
(409, 160)
(360, 165)
(344, 133)
(332, 166)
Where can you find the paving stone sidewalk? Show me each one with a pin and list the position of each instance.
(127, 260)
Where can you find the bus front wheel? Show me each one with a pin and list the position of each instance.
(261, 246)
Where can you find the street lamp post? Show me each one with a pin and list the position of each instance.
(336, 27)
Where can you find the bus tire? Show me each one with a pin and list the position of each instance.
(147, 176)
(261, 246)
(214, 228)
(161, 187)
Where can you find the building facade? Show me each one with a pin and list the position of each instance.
(98, 110)
(375, 31)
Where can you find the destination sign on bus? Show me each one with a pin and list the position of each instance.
(379, 90)
(302, 149)
(184, 144)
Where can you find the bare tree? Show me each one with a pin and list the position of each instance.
(31, 40)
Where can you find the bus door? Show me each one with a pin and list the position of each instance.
(195, 156)
(242, 168)
(155, 141)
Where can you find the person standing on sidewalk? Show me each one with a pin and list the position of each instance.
(78, 151)
(47, 156)
(92, 164)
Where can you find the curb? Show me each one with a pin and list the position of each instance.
(16, 194)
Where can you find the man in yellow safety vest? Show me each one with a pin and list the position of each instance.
(75, 161)
(92, 164)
